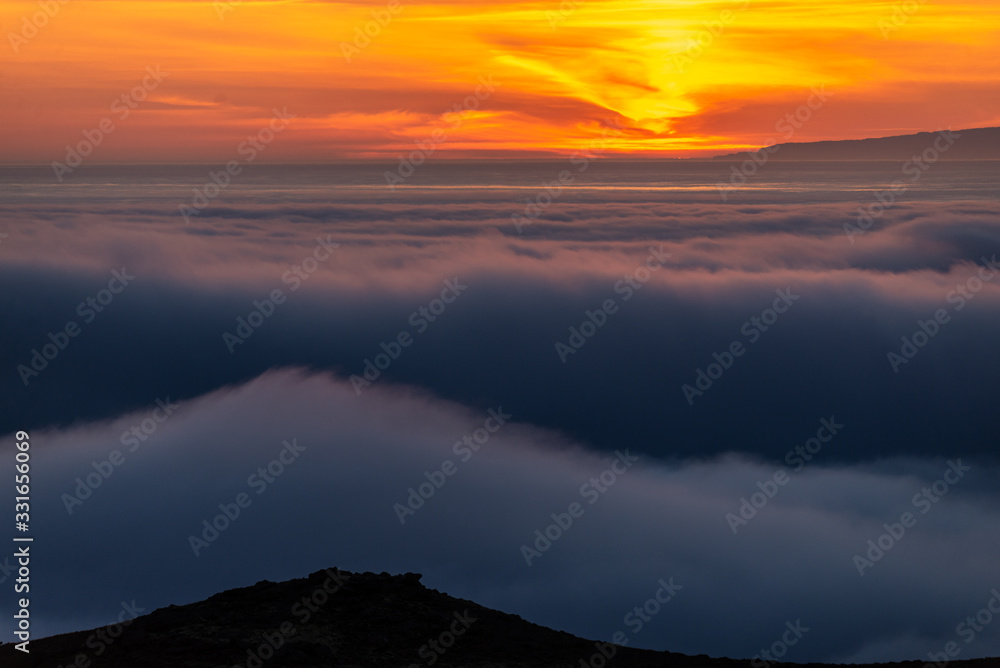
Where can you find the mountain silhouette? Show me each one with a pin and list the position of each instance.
(973, 144)
(337, 618)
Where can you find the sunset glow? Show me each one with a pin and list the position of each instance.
(679, 78)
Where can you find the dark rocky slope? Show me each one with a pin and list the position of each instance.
(336, 618)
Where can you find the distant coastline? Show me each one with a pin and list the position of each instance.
(970, 144)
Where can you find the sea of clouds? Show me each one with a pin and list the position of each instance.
(754, 479)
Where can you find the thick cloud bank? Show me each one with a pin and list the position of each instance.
(346, 461)
(895, 331)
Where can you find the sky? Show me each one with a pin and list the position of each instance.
(666, 79)
(705, 324)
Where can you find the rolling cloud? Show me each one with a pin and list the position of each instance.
(295, 446)
(859, 304)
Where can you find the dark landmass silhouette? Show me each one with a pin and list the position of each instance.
(337, 618)
(972, 144)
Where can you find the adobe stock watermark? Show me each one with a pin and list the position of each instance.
(635, 620)
(901, 13)
(591, 491)
(265, 308)
(779, 648)
(552, 190)
(122, 106)
(425, 149)
(594, 320)
(420, 320)
(928, 329)
(464, 449)
(914, 168)
(534, 207)
(257, 481)
(31, 25)
(105, 468)
(365, 33)
(432, 650)
(302, 611)
(753, 329)
(104, 637)
(788, 125)
(560, 15)
(223, 7)
(923, 500)
(711, 30)
(7, 569)
(248, 149)
(87, 310)
(797, 459)
(968, 629)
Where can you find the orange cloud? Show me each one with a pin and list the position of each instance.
(680, 77)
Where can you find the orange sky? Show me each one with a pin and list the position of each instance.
(564, 74)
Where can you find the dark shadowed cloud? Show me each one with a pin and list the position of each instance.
(333, 502)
